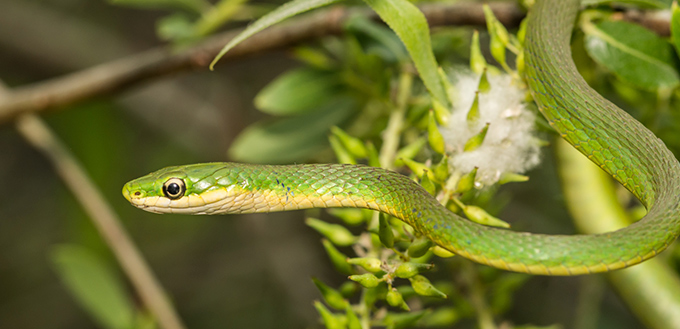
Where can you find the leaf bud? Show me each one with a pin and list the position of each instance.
(340, 151)
(427, 184)
(423, 287)
(476, 141)
(338, 234)
(330, 320)
(395, 299)
(484, 85)
(407, 270)
(467, 181)
(479, 215)
(331, 296)
(352, 144)
(434, 136)
(368, 280)
(338, 259)
(508, 177)
(477, 61)
(473, 113)
(441, 252)
(419, 247)
(385, 231)
(370, 264)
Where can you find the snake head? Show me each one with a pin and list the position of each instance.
(177, 189)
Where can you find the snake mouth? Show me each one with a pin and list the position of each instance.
(143, 204)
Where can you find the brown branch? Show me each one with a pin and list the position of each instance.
(120, 74)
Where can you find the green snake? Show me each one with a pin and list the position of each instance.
(607, 135)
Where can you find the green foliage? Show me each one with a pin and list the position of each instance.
(402, 16)
(282, 141)
(411, 27)
(675, 26)
(633, 53)
(337, 234)
(191, 20)
(644, 67)
(342, 78)
(297, 91)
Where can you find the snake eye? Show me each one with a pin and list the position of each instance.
(174, 188)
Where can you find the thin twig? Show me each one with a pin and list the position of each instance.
(392, 133)
(476, 295)
(105, 219)
(120, 74)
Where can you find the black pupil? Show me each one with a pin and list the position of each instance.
(173, 189)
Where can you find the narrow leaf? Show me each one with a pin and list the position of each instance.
(285, 11)
(411, 26)
(477, 61)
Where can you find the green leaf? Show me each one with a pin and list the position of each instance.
(675, 26)
(94, 285)
(477, 61)
(287, 10)
(336, 233)
(633, 53)
(219, 14)
(381, 34)
(338, 259)
(330, 320)
(331, 296)
(291, 139)
(297, 91)
(410, 24)
(175, 27)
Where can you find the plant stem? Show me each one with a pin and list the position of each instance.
(590, 297)
(392, 134)
(476, 295)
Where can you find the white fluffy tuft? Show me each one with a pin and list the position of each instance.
(509, 145)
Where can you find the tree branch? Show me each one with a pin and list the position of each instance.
(120, 74)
